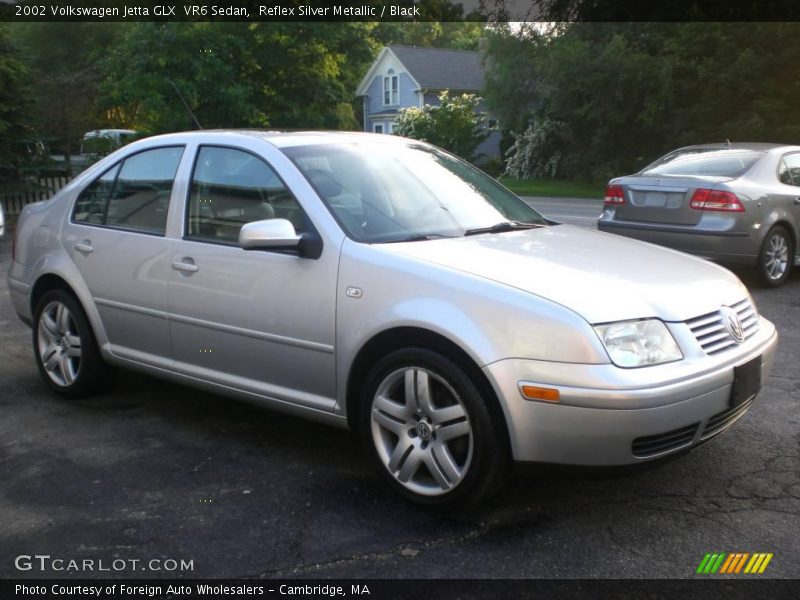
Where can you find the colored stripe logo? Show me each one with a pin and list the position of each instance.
(734, 563)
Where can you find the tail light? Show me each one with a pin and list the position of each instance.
(705, 199)
(614, 195)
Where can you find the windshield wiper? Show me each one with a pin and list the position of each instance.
(421, 237)
(502, 227)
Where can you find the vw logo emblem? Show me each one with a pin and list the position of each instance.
(423, 430)
(731, 321)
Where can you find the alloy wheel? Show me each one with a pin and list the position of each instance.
(776, 258)
(421, 431)
(59, 344)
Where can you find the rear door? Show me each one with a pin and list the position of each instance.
(116, 238)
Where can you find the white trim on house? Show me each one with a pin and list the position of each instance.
(373, 72)
(391, 84)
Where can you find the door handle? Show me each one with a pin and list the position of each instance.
(797, 201)
(186, 265)
(85, 247)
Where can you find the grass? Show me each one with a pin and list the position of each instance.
(554, 187)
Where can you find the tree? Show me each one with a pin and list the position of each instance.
(620, 94)
(455, 124)
(284, 75)
(63, 76)
(453, 35)
(13, 114)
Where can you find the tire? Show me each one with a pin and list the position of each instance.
(65, 348)
(776, 258)
(430, 431)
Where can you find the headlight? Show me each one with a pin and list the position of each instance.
(638, 343)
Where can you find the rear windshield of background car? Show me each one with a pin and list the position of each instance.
(718, 162)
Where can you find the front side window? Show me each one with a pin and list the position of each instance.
(391, 89)
(132, 195)
(402, 191)
(789, 171)
(232, 187)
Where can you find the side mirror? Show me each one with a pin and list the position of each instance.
(269, 234)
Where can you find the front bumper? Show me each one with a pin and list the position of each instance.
(612, 416)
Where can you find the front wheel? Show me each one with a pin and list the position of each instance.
(430, 430)
(65, 347)
(777, 257)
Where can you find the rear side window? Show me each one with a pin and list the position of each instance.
(132, 195)
(718, 162)
(789, 171)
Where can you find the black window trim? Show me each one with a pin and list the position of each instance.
(118, 166)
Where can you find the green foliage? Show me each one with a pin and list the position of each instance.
(624, 93)
(282, 75)
(536, 152)
(12, 105)
(454, 35)
(61, 62)
(455, 124)
(554, 187)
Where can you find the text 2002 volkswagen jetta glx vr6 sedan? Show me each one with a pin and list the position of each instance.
(379, 283)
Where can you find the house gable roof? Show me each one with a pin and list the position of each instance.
(436, 69)
(433, 68)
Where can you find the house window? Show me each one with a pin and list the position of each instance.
(391, 89)
(377, 127)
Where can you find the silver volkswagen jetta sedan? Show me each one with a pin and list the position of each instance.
(378, 283)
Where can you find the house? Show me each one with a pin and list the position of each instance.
(406, 76)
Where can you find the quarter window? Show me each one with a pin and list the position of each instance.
(133, 194)
(91, 204)
(232, 187)
(391, 89)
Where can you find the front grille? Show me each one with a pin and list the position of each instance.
(721, 421)
(652, 445)
(710, 332)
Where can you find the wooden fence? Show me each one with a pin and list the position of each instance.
(46, 188)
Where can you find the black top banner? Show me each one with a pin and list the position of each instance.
(397, 10)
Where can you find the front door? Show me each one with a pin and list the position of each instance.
(256, 321)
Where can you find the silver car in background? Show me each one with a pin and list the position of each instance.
(380, 284)
(734, 203)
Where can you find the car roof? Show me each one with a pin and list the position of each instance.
(284, 139)
(763, 146)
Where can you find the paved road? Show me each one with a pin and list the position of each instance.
(154, 470)
(576, 211)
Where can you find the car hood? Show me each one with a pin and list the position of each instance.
(603, 277)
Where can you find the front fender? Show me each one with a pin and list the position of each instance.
(379, 291)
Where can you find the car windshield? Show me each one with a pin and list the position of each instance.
(720, 162)
(395, 192)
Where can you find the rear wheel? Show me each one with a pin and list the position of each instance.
(777, 256)
(65, 347)
(430, 431)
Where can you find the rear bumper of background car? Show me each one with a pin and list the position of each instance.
(602, 420)
(724, 246)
